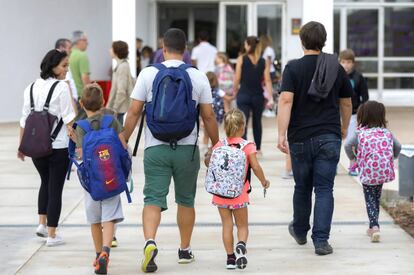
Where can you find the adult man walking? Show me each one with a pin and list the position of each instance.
(204, 54)
(167, 157)
(79, 62)
(63, 44)
(311, 114)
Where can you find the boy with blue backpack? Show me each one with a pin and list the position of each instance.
(103, 172)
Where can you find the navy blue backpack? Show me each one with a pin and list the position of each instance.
(106, 164)
(172, 114)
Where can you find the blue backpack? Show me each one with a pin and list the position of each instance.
(106, 163)
(172, 113)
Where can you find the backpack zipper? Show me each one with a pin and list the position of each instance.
(163, 100)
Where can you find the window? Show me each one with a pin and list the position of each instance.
(362, 32)
(269, 22)
(399, 31)
(236, 29)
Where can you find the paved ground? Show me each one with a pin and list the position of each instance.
(271, 249)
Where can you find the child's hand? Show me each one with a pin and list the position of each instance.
(78, 153)
(265, 184)
(207, 157)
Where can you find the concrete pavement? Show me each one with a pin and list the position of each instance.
(270, 248)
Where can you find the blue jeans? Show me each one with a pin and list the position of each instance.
(314, 164)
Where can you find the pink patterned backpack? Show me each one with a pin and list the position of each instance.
(375, 156)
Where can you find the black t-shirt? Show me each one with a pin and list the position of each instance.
(308, 117)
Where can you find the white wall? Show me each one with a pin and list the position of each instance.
(320, 11)
(29, 28)
(293, 46)
(142, 24)
(123, 28)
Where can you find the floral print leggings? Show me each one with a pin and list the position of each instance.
(372, 195)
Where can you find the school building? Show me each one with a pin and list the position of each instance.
(381, 32)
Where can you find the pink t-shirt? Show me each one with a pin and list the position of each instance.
(243, 199)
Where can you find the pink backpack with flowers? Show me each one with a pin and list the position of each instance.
(375, 156)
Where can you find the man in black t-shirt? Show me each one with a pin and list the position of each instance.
(315, 124)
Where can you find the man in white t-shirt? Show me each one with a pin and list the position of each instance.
(204, 54)
(163, 162)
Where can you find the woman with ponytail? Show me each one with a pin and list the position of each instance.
(251, 70)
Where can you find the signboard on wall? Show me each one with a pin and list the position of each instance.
(296, 24)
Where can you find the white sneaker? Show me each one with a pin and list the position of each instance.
(287, 175)
(41, 231)
(57, 240)
(268, 113)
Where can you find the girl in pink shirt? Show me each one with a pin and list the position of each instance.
(234, 125)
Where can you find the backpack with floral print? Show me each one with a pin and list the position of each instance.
(226, 174)
(375, 156)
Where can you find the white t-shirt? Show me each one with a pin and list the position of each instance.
(60, 106)
(72, 85)
(143, 92)
(204, 54)
(269, 52)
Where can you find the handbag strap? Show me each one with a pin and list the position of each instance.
(49, 96)
(31, 98)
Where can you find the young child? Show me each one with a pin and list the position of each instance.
(375, 147)
(225, 76)
(102, 215)
(234, 124)
(218, 102)
(359, 85)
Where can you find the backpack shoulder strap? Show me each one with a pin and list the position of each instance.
(31, 97)
(106, 121)
(185, 66)
(85, 125)
(49, 95)
(244, 143)
(159, 66)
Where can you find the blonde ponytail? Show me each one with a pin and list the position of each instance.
(234, 121)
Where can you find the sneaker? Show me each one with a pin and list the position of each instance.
(353, 170)
(323, 249)
(268, 113)
(41, 231)
(185, 256)
(299, 240)
(287, 175)
(101, 264)
(150, 252)
(231, 262)
(241, 259)
(114, 242)
(374, 234)
(57, 240)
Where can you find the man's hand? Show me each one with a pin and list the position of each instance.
(282, 144)
(344, 132)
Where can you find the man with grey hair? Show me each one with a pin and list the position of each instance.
(65, 45)
(79, 62)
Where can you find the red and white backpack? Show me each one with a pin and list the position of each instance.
(226, 173)
(375, 156)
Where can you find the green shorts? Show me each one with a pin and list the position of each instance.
(161, 163)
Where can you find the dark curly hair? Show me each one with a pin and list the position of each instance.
(120, 49)
(51, 60)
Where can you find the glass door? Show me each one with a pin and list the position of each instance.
(269, 21)
(234, 26)
(237, 20)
